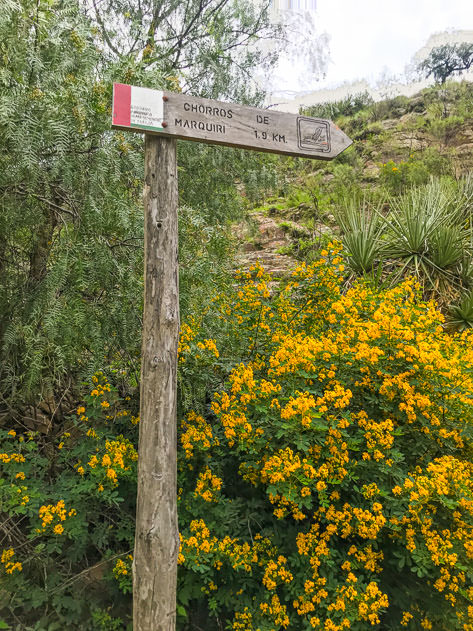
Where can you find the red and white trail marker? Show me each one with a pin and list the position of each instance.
(137, 108)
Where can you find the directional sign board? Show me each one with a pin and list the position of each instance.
(205, 120)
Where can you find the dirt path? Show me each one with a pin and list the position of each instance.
(260, 240)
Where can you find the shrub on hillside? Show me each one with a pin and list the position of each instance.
(329, 487)
(398, 176)
(347, 106)
(325, 475)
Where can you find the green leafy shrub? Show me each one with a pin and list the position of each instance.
(348, 106)
(398, 176)
(325, 476)
(436, 163)
(310, 448)
(69, 500)
(389, 108)
(71, 226)
(445, 129)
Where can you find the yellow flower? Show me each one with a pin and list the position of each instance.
(111, 474)
(58, 529)
(6, 559)
(106, 461)
(406, 616)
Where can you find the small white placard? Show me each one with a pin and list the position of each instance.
(146, 108)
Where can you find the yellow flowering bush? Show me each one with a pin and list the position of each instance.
(68, 502)
(341, 442)
(52, 516)
(325, 471)
(397, 176)
(8, 563)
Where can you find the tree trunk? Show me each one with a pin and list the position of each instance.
(157, 536)
(41, 248)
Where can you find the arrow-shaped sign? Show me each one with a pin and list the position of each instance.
(216, 122)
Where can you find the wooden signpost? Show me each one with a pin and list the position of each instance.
(215, 122)
(164, 117)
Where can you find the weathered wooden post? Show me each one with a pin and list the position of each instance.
(157, 537)
(165, 117)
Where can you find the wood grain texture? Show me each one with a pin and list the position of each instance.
(157, 538)
(216, 122)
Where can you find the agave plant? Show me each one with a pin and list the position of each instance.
(427, 233)
(427, 236)
(446, 246)
(465, 268)
(461, 315)
(464, 202)
(362, 230)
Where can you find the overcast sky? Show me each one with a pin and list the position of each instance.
(368, 37)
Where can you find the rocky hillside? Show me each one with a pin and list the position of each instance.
(398, 144)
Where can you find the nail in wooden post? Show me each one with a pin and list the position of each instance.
(157, 538)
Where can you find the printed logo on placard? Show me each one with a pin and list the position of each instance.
(313, 135)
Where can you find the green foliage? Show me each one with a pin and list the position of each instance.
(362, 229)
(327, 446)
(445, 129)
(210, 48)
(104, 621)
(350, 156)
(70, 220)
(461, 314)
(399, 176)
(207, 257)
(390, 108)
(426, 232)
(348, 106)
(426, 235)
(436, 163)
(447, 60)
(71, 224)
(70, 534)
(345, 179)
